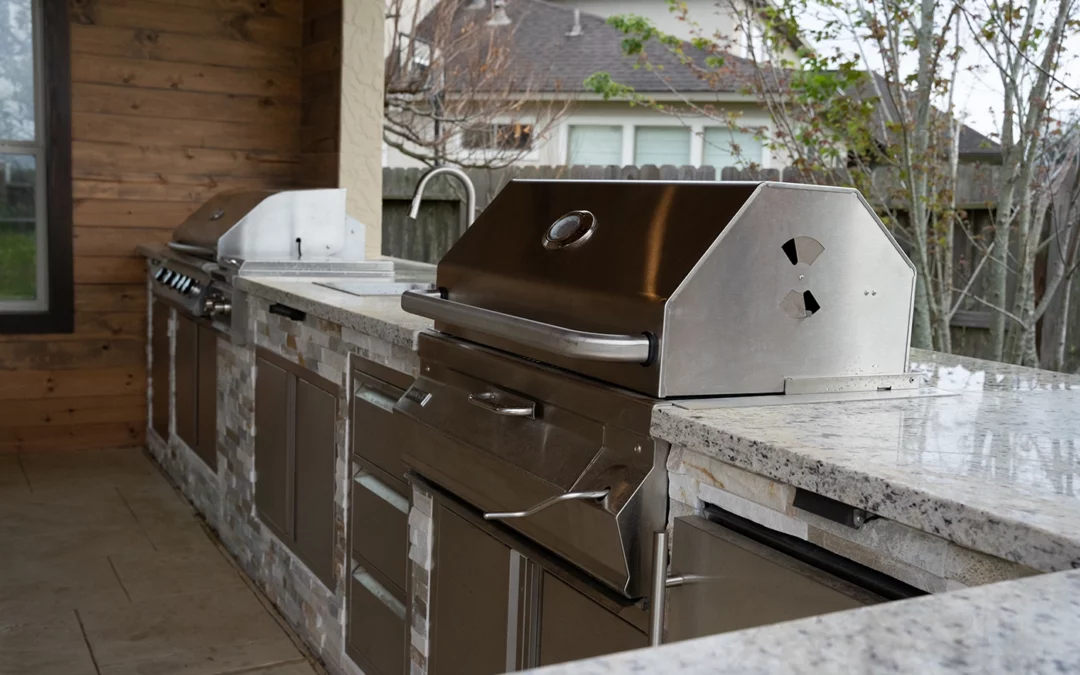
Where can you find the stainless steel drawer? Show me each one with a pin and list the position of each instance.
(379, 436)
(380, 524)
(376, 630)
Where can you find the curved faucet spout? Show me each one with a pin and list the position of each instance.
(470, 190)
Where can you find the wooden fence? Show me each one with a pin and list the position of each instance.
(442, 219)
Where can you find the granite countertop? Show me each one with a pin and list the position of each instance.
(995, 468)
(377, 315)
(1026, 626)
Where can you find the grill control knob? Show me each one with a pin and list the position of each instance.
(217, 307)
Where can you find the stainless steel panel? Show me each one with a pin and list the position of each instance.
(574, 627)
(470, 596)
(747, 584)
(206, 444)
(273, 446)
(746, 341)
(316, 421)
(380, 526)
(187, 377)
(160, 361)
(739, 285)
(377, 634)
(217, 216)
(575, 443)
(648, 237)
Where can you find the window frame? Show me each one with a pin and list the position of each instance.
(52, 81)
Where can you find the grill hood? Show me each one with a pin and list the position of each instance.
(679, 289)
(272, 225)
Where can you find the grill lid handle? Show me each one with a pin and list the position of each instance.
(566, 496)
(546, 337)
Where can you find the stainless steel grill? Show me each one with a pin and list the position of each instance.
(570, 309)
(260, 232)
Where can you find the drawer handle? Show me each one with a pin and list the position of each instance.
(486, 401)
(380, 592)
(552, 501)
(382, 491)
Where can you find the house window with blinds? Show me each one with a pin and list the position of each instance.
(594, 145)
(35, 153)
(726, 147)
(662, 145)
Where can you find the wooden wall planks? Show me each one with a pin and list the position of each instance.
(320, 93)
(172, 102)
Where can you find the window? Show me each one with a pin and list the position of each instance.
(731, 147)
(514, 136)
(594, 145)
(662, 145)
(35, 168)
(414, 57)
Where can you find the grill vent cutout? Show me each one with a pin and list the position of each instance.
(800, 305)
(802, 250)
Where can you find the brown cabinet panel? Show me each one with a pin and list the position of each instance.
(273, 431)
(470, 597)
(316, 418)
(159, 354)
(186, 374)
(380, 526)
(376, 630)
(573, 627)
(376, 431)
(206, 446)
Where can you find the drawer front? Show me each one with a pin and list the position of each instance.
(378, 436)
(376, 631)
(380, 526)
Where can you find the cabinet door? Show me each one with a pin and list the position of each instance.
(187, 374)
(750, 584)
(206, 446)
(316, 418)
(159, 354)
(574, 627)
(471, 612)
(273, 432)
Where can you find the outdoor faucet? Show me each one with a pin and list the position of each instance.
(470, 191)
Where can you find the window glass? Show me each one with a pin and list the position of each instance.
(16, 71)
(18, 227)
(22, 179)
(662, 145)
(594, 145)
(729, 147)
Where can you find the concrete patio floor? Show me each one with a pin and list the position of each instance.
(106, 570)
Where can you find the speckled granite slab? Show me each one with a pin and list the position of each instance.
(1026, 626)
(993, 469)
(380, 316)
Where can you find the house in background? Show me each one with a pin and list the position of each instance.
(558, 44)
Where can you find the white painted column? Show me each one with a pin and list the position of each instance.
(627, 144)
(697, 144)
(360, 163)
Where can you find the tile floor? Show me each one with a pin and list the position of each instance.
(105, 570)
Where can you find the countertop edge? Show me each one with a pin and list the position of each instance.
(1023, 626)
(917, 506)
(356, 319)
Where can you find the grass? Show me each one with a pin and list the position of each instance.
(17, 265)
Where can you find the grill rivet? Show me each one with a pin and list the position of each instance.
(637, 448)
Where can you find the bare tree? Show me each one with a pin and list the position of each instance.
(1023, 41)
(1062, 253)
(456, 88)
(871, 120)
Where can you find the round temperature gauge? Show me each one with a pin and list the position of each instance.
(573, 229)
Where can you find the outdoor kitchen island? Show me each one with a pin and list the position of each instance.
(953, 491)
